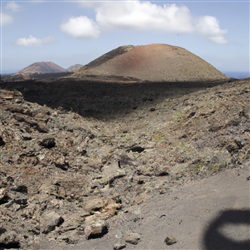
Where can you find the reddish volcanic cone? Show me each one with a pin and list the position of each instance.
(154, 62)
(42, 68)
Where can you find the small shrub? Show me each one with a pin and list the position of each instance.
(178, 117)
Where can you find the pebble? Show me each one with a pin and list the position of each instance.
(96, 229)
(50, 221)
(170, 240)
(118, 246)
(132, 238)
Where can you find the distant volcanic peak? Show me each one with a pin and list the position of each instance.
(42, 68)
(153, 62)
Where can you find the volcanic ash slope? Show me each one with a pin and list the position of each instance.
(154, 62)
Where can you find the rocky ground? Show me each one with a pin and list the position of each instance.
(76, 157)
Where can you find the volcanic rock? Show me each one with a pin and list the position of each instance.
(1, 141)
(91, 174)
(118, 246)
(48, 142)
(96, 229)
(49, 221)
(9, 239)
(170, 240)
(132, 238)
(95, 204)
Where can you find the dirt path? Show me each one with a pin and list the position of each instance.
(210, 214)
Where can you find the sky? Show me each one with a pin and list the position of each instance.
(76, 32)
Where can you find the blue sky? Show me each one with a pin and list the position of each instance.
(71, 32)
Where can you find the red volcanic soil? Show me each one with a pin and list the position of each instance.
(154, 62)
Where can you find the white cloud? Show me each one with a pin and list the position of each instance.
(209, 27)
(5, 19)
(80, 27)
(13, 6)
(143, 15)
(33, 41)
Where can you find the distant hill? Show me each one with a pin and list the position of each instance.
(42, 68)
(154, 62)
(38, 70)
(74, 68)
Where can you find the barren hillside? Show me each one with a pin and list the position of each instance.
(78, 157)
(154, 62)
